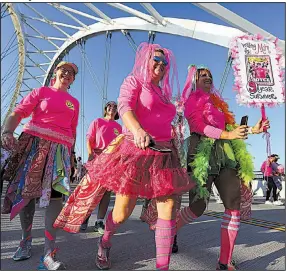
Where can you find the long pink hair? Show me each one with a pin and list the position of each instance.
(142, 73)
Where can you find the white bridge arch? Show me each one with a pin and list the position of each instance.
(99, 23)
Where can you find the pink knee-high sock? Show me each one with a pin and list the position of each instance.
(229, 230)
(110, 229)
(164, 238)
(185, 216)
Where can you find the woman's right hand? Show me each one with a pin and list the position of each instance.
(141, 139)
(238, 133)
(9, 142)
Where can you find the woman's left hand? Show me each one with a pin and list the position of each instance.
(260, 125)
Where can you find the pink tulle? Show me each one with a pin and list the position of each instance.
(141, 68)
(146, 173)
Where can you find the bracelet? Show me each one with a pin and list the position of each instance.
(250, 131)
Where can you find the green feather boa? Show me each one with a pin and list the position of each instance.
(200, 164)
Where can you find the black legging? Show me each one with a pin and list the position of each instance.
(271, 185)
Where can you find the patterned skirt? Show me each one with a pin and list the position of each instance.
(38, 169)
(126, 170)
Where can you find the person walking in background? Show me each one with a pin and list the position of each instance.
(73, 167)
(267, 170)
(78, 173)
(100, 133)
(278, 171)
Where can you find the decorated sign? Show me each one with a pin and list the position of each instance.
(258, 70)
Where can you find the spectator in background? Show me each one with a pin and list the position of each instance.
(73, 167)
(78, 169)
(278, 171)
(266, 169)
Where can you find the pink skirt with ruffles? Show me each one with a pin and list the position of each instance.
(126, 170)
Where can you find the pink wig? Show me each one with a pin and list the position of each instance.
(142, 73)
(190, 84)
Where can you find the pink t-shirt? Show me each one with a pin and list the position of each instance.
(266, 169)
(54, 115)
(153, 112)
(203, 117)
(101, 132)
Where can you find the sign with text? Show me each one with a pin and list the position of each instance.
(258, 70)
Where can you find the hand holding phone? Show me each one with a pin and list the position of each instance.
(244, 120)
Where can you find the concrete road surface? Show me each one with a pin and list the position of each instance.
(257, 248)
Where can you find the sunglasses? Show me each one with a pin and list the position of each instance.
(69, 72)
(159, 59)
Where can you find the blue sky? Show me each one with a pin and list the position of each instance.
(270, 17)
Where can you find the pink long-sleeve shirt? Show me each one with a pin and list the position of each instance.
(153, 112)
(266, 169)
(203, 117)
(54, 115)
(101, 132)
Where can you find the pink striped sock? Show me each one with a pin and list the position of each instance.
(110, 229)
(185, 216)
(164, 238)
(229, 230)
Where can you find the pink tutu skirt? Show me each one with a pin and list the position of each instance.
(127, 170)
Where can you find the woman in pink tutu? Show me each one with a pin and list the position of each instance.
(129, 166)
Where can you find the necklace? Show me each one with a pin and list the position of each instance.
(161, 95)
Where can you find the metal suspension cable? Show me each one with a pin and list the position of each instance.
(225, 74)
(10, 70)
(106, 66)
(130, 40)
(92, 73)
(8, 91)
(151, 37)
(3, 12)
(8, 43)
(8, 53)
(10, 75)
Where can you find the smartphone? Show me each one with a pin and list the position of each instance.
(158, 148)
(244, 120)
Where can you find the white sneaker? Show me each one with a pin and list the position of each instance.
(278, 203)
(268, 202)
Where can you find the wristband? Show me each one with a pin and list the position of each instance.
(250, 131)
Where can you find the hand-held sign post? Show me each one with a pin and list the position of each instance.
(259, 74)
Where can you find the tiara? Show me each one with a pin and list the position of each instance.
(201, 66)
